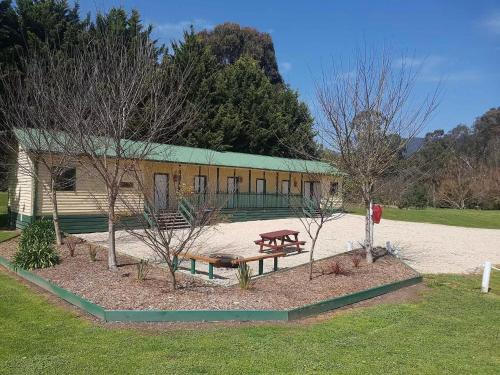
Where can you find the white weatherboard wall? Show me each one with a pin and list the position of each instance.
(21, 185)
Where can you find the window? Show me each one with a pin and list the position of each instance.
(126, 184)
(65, 179)
(334, 188)
(200, 184)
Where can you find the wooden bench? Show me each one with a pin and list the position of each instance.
(216, 261)
(296, 244)
(260, 258)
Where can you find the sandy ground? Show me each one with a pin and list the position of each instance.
(429, 248)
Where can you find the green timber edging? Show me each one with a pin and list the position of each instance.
(78, 223)
(207, 315)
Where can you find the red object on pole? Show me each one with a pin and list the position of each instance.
(376, 213)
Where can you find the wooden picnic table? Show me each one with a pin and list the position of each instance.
(283, 236)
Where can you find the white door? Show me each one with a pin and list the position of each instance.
(200, 184)
(232, 189)
(308, 186)
(161, 191)
(285, 187)
(232, 185)
(261, 186)
(260, 190)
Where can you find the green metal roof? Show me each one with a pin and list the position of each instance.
(199, 156)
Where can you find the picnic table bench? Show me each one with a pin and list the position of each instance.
(216, 262)
(283, 236)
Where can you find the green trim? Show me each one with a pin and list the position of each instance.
(19, 221)
(207, 315)
(349, 299)
(181, 154)
(79, 223)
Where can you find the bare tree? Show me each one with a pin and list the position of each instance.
(167, 241)
(29, 110)
(322, 206)
(369, 117)
(119, 101)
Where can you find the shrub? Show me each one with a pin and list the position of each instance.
(336, 268)
(71, 245)
(36, 246)
(92, 253)
(416, 196)
(356, 260)
(143, 268)
(244, 276)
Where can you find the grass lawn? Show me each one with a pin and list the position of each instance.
(462, 218)
(452, 330)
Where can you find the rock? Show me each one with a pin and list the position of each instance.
(379, 252)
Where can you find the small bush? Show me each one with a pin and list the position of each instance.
(244, 276)
(71, 245)
(417, 197)
(93, 252)
(36, 246)
(143, 268)
(336, 268)
(356, 260)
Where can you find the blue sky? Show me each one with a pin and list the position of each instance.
(455, 42)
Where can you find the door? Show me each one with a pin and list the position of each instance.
(260, 189)
(285, 187)
(200, 188)
(308, 189)
(161, 191)
(285, 191)
(232, 191)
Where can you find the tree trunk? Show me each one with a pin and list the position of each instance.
(311, 258)
(173, 281)
(55, 215)
(111, 238)
(368, 234)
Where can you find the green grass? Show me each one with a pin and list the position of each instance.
(7, 235)
(463, 218)
(453, 330)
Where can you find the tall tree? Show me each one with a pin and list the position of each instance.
(369, 119)
(230, 41)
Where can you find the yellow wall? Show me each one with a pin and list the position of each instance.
(89, 197)
(90, 194)
(21, 184)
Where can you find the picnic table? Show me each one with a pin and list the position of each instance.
(283, 237)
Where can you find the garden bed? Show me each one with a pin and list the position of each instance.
(282, 290)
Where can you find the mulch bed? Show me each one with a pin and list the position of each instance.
(285, 289)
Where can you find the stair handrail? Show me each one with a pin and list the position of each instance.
(186, 209)
(147, 215)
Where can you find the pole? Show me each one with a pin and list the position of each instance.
(371, 224)
(485, 285)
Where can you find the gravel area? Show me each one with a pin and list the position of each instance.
(284, 289)
(429, 248)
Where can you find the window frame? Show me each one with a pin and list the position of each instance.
(58, 185)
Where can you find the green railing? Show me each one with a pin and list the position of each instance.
(186, 209)
(246, 200)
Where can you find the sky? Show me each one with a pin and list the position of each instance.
(454, 43)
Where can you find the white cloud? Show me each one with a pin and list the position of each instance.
(285, 66)
(174, 31)
(492, 23)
